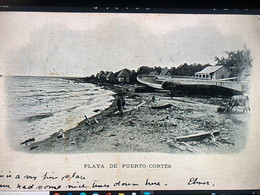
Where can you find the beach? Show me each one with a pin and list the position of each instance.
(153, 122)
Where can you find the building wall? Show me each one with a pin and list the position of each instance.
(202, 76)
(220, 74)
(124, 79)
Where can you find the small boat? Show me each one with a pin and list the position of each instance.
(152, 81)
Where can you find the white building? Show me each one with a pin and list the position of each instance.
(213, 72)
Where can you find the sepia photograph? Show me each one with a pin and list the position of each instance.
(90, 83)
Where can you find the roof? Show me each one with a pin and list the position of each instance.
(164, 72)
(123, 72)
(102, 74)
(110, 74)
(209, 69)
(154, 72)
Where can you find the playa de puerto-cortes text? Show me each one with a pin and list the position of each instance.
(128, 166)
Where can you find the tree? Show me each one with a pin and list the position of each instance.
(133, 76)
(236, 61)
(158, 69)
(144, 70)
(187, 70)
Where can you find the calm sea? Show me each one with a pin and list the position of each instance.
(40, 106)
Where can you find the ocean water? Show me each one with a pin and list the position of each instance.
(37, 107)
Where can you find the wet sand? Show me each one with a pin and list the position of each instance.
(145, 129)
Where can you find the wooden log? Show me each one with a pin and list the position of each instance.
(28, 141)
(197, 137)
(162, 106)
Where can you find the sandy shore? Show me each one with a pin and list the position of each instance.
(143, 128)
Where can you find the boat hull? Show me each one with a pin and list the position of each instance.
(201, 90)
(192, 87)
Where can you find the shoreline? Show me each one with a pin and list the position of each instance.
(109, 110)
(147, 128)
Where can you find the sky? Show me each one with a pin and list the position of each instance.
(81, 44)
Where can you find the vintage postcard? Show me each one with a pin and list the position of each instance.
(129, 101)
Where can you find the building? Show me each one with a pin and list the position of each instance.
(213, 72)
(124, 76)
(153, 73)
(110, 77)
(98, 75)
(101, 76)
(165, 72)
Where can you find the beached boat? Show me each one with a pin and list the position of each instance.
(152, 81)
(193, 85)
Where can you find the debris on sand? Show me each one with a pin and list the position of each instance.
(87, 121)
(223, 109)
(99, 129)
(96, 110)
(183, 146)
(28, 141)
(226, 141)
(197, 137)
(176, 145)
(61, 134)
(191, 148)
(33, 147)
(133, 108)
(170, 125)
(162, 106)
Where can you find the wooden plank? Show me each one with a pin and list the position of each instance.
(197, 137)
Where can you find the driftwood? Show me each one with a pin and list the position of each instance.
(33, 147)
(214, 139)
(226, 141)
(162, 106)
(131, 109)
(197, 137)
(28, 141)
(90, 122)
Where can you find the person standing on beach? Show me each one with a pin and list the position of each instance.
(120, 105)
(153, 99)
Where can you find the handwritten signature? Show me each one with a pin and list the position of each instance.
(196, 181)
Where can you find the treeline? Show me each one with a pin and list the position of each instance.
(182, 70)
(236, 62)
(131, 75)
